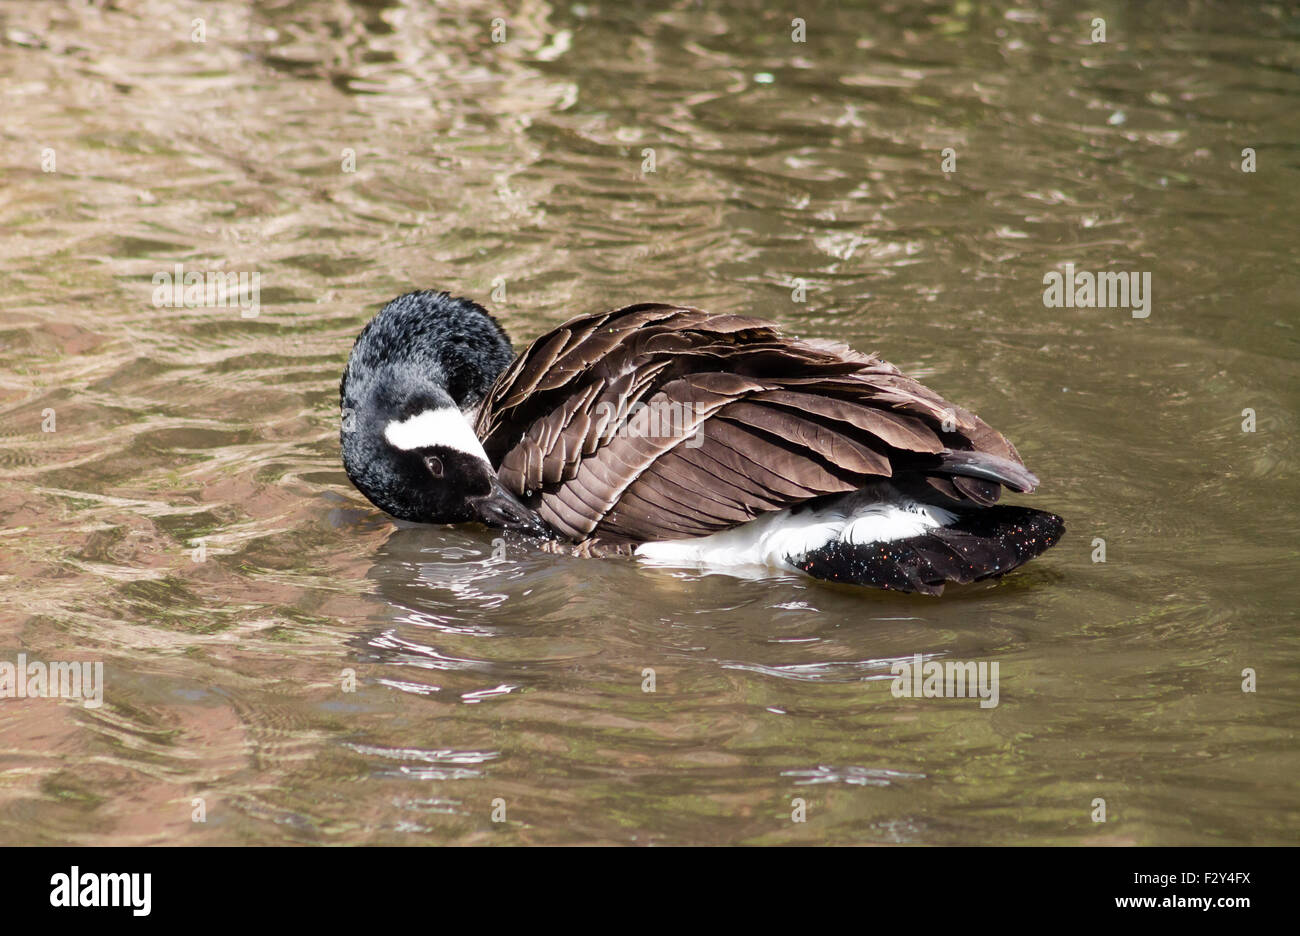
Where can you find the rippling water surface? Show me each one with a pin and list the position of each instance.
(513, 172)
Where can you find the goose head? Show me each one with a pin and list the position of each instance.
(407, 442)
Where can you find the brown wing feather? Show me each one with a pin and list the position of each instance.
(763, 422)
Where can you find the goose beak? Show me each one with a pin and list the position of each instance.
(500, 508)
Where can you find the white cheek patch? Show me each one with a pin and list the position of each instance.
(446, 427)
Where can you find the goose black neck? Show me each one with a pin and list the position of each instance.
(430, 341)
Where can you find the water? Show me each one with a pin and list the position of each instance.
(516, 682)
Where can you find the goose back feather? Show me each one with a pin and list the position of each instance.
(767, 422)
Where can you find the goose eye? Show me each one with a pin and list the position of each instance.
(434, 464)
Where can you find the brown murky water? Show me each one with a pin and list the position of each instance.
(516, 168)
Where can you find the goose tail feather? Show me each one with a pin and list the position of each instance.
(979, 544)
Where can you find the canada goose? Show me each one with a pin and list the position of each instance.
(768, 449)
